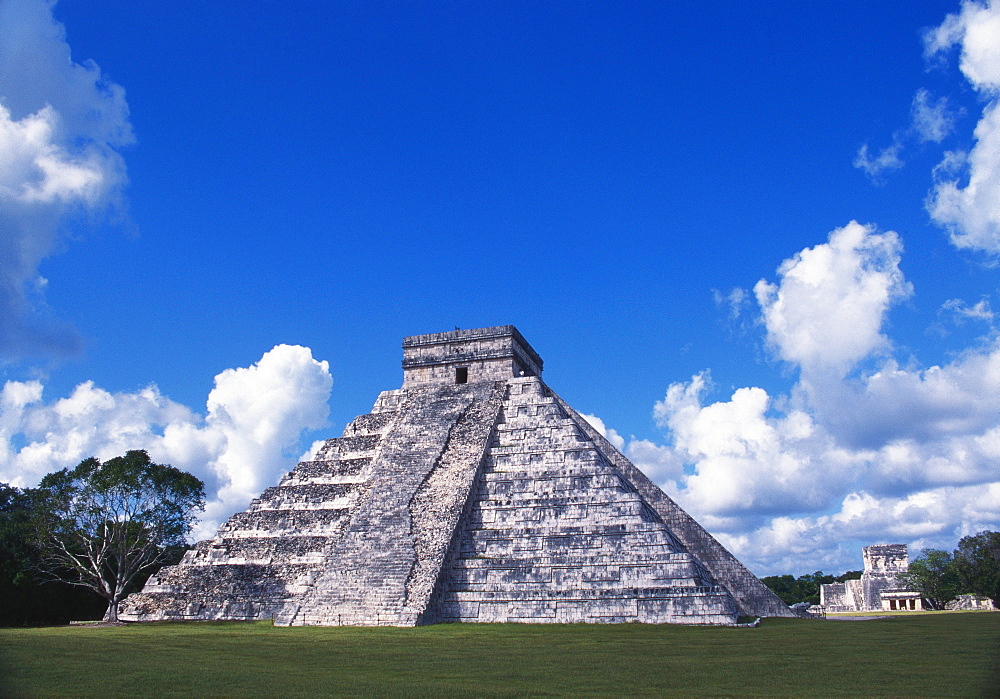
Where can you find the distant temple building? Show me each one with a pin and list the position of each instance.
(879, 588)
(473, 493)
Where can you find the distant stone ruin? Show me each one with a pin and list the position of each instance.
(971, 602)
(473, 494)
(879, 588)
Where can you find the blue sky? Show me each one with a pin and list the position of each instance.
(220, 219)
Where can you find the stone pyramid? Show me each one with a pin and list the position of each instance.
(473, 493)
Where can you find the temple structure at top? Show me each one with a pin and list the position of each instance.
(473, 493)
(464, 356)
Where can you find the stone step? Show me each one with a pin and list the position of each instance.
(326, 468)
(277, 522)
(234, 579)
(489, 530)
(522, 469)
(316, 494)
(556, 595)
(585, 576)
(533, 546)
(269, 547)
(577, 506)
(539, 447)
(592, 506)
(517, 442)
(372, 423)
(547, 424)
(582, 455)
(603, 488)
(352, 447)
(533, 411)
(473, 546)
(644, 555)
(711, 609)
(551, 423)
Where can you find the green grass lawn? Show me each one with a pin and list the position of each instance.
(933, 654)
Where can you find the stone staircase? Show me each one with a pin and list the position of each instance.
(384, 567)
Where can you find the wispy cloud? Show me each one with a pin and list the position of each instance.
(735, 302)
(961, 311)
(931, 120)
(876, 165)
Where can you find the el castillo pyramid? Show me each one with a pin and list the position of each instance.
(474, 494)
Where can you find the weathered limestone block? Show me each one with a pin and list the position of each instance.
(970, 602)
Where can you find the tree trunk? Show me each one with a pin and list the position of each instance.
(112, 614)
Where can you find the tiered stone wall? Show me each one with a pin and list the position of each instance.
(264, 559)
(555, 534)
(752, 597)
(971, 602)
(846, 596)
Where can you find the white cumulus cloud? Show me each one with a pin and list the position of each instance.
(861, 450)
(965, 198)
(62, 125)
(609, 434)
(826, 312)
(750, 464)
(260, 412)
(247, 437)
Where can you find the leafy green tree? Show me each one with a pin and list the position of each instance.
(15, 515)
(784, 586)
(25, 602)
(809, 585)
(105, 526)
(935, 576)
(977, 560)
(849, 575)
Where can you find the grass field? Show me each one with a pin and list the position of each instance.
(935, 654)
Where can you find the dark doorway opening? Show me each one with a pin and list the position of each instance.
(462, 375)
